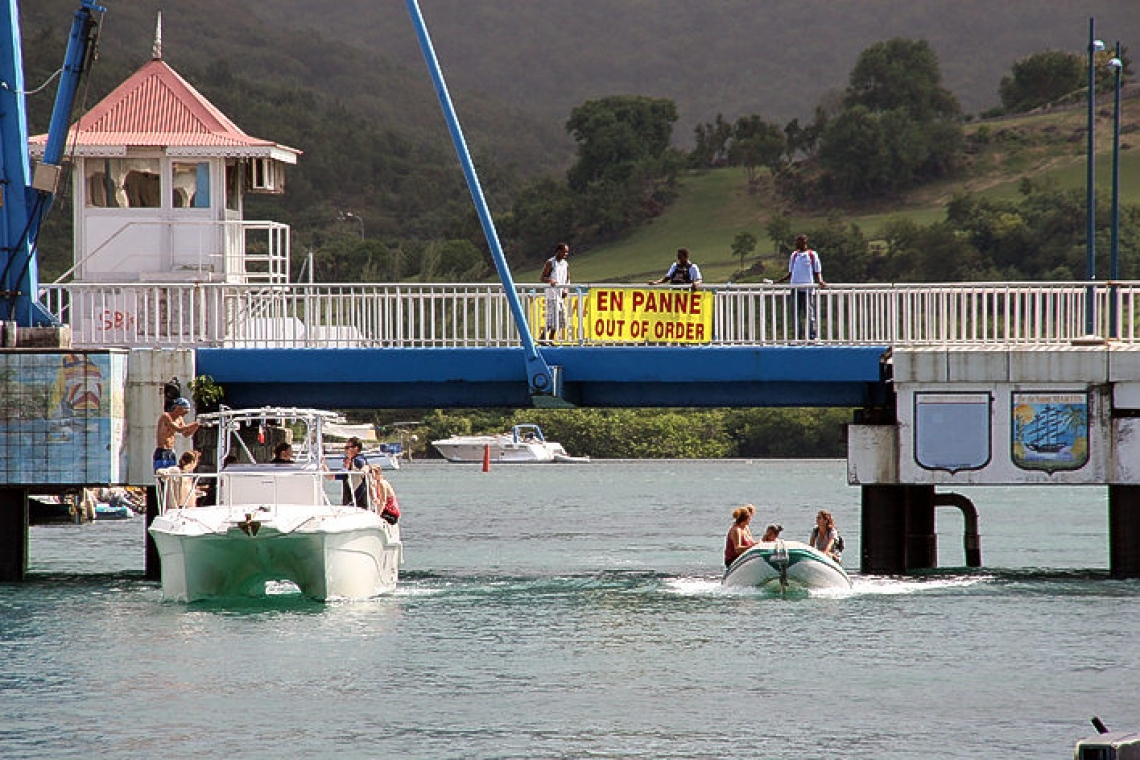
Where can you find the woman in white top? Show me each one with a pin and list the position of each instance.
(824, 534)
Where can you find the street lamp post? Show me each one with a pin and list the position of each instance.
(1117, 65)
(1095, 46)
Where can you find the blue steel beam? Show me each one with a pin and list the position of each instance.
(14, 164)
(540, 378)
(612, 377)
(25, 207)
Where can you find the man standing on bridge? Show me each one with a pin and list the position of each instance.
(804, 270)
(683, 272)
(556, 274)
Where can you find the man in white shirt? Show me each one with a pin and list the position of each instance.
(556, 274)
(804, 271)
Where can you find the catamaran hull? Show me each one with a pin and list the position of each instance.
(354, 563)
(807, 568)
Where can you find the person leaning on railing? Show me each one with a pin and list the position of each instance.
(682, 272)
(805, 272)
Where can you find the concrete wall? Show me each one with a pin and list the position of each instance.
(1006, 416)
(147, 371)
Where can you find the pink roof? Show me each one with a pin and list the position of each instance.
(156, 107)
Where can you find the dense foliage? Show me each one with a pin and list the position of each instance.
(1037, 236)
(660, 434)
(1042, 78)
(625, 174)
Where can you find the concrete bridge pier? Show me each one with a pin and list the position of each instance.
(13, 534)
(1123, 528)
(897, 529)
(152, 569)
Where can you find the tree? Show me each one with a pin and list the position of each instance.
(626, 170)
(843, 250)
(899, 127)
(901, 74)
(711, 143)
(805, 140)
(755, 144)
(779, 229)
(853, 154)
(543, 212)
(451, 261)
(615, 133)
(1042, 78)
(932, 253)
(743, 245)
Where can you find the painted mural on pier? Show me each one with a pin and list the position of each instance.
(61, 417)
(1050, 431)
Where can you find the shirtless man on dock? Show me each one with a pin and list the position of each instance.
(169, 425)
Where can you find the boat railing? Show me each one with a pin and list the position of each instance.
(177, 489)
(425, 315)
(257, 486)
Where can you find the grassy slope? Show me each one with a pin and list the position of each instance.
(715, 206)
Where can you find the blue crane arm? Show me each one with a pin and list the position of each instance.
(25, 201)
(541, 378)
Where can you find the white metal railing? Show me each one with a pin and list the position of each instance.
(236, 250)
(445, 316)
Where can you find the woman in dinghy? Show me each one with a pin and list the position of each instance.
(824, 535)
(739, 538)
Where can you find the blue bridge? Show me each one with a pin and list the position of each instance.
(425, 346)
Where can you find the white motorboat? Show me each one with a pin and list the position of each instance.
(272, 522)
(786, 564)
(525, 443)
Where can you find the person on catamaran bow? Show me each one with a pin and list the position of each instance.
(169, 425)
(353, 481)
(772, 533)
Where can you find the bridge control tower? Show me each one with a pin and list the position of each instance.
(160, 174)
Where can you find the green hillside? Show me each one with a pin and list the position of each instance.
(516, 68)
(714, 206)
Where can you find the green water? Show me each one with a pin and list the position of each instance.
(575, 611)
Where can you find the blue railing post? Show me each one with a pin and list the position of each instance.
(540, 377)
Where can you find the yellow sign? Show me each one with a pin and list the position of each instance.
(640, 315)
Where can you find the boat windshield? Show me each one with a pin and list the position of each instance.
(528, 434)
(242, 431)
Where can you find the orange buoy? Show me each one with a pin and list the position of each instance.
(486, 457)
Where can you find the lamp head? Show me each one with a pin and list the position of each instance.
(1115, 63)
(1098, 46)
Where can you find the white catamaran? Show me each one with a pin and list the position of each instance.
(273, 522)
